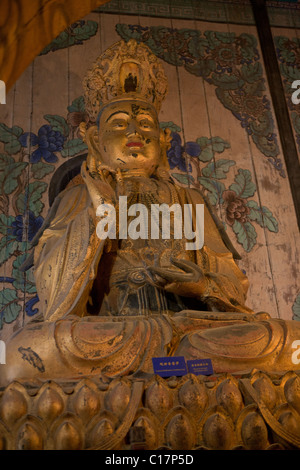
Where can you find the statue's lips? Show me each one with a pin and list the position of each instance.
(135, 144)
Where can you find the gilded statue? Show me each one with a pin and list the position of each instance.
(109, 305)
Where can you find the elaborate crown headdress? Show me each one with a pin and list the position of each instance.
(124, 71)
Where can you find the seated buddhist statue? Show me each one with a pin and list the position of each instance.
(117, 285)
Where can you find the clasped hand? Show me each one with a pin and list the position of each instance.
(191, 282)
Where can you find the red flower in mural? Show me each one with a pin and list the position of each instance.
(236, 208)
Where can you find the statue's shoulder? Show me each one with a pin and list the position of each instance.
(76, 190)
(196, 195)
(75, 185)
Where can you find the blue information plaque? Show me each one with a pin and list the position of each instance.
(200, 366)
(169, 366)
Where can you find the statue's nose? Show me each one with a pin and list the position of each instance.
(132, 129)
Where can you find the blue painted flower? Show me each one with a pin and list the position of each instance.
(29, 304)
(176, 151)
(34, 224)
(47, 140)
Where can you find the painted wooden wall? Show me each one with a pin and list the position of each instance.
(225, 138)
(287, 46)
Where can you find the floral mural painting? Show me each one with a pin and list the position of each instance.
(229, 62)
(288, 53)
(27, 160)
(240, 212)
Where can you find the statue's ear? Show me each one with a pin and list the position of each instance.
(91, 137)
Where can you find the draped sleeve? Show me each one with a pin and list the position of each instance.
(67, 256)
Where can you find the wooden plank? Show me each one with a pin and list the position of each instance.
(280, 107)
(283, 246)
(81, 58)
(291, 34)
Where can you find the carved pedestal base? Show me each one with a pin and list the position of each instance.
(254, 411)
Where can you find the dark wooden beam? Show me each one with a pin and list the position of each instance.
(279, 102)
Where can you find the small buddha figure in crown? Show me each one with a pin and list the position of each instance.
(110, 305)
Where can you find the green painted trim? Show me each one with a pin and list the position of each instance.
(281, 14)
(179, 9)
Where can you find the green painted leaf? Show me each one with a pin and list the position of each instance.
(201, 68)
(183, 178)
(290, 72)
(252, 72)
(31, 199)
(10, 308)
(77, 105)
(5, 160)
(225, 38)
(13, 146)
(5, 222)
(203, 141)
(170, 125)
(127, 33)
(227, 82)
(296, 308)
(23, 281)
(217, 169)
(85, 31)
(219, 144)
(243, 186)
(72, 147)
(197, 45)
(60, 42)
(263, 216)
(58, 123)
(6, 132)
(40, 170)
(284, 51)
(9, 177)
(206, 153)
(264, 144)
(8, 246)
(215, 189)
(248, 45)
(10, 137)
(245, 234)
(213, 41)
(210, 146)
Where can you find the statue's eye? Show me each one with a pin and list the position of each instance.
(145, 124)
(119, 124)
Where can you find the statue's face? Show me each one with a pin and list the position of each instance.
(129, 137)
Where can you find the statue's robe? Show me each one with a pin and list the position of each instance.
(72, 265)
